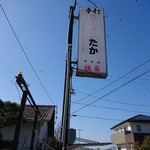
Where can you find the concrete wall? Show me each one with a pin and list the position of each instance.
(145, 127)
(25, 134)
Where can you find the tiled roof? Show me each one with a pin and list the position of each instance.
(138, 118)
(45, 110)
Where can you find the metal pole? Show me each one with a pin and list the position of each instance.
(63, 111)
(67, 86)
(79, 137)
(19, 122)
(66, 112)
(33, 131)
(23, 86)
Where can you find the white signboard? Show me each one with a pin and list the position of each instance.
(91, 44)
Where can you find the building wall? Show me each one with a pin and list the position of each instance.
(121, 147)
(24, 137)
(129, 138)
(51, 128)
(8, 132)
(145, 127)
(43, 130)
(127, 134)
(118, 138)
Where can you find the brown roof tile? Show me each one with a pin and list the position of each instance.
(45, 110)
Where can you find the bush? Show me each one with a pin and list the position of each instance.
(145, 145)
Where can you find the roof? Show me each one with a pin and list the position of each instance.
(45, 110)
(138, 118)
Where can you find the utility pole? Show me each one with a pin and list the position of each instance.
(67, 83)
(79, 136)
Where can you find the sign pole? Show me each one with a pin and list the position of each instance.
(67, 86)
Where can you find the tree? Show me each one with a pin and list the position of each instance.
(137, 145)
(8, 113)
(145, 145)
(57, 133)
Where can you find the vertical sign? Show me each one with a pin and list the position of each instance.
(91, 44)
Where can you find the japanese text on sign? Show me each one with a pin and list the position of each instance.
(94, 10)
(91, 44)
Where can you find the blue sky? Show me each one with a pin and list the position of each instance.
(41, 27)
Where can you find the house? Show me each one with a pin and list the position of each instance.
(131, 130)
(44, 133)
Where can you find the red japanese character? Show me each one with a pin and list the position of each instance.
(97, 68)
(87, 67)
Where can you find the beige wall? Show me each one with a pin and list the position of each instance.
(118, 138)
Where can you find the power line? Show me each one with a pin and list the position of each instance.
(121, 18)
(132, 70)
(25, 54)
(113, 91)
(92, 3)
(140, 81)
(113, 108)
(113, 101)
(93, 117)
(114, 3)
(125, 103)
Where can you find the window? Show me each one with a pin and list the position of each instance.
(127, 130)
(138, 127)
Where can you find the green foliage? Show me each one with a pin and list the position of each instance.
(145, 145)
(1, 104)
(8, 113)
(137, 145)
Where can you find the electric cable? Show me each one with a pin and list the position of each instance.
(114, 3)
(121, 18)
(139, 81)
(113, 108)
(113, 91)
(92, 3)
(114, 101)
(132, 70)
(93, 117)
(25, 54)
(125, 103)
